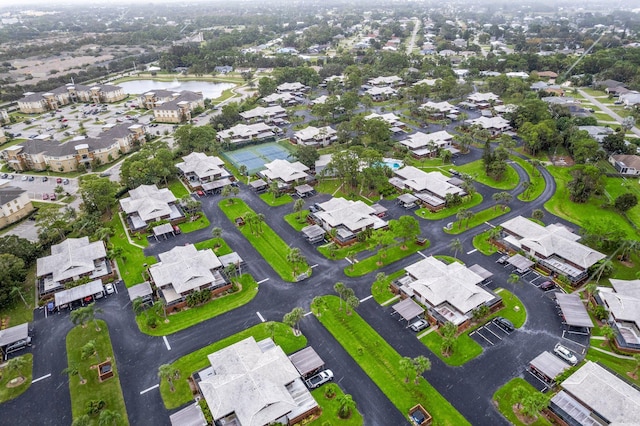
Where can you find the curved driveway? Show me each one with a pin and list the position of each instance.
(469, 388)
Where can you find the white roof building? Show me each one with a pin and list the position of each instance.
(381, 92)
(391, 81)
(422, 144)
(147, 203)
(285, 98)
(315, 136)
(420, 181)
(264, 113)
(452, 290)
(203, 167)
(291, 87)
(439, 107)
(478, 97)
(352, 215)
(554, 246)
(253, 383)
(246, 132)
(493, 124)
(284, 171)
(390, 118)
(183, 269)
(623, 302)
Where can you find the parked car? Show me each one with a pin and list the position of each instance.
(16, 346)
(109, 289)
(59, 180)
(45, 196)
(65, 182)
(564, 353)
(52, 196)
(31, 178)
(319, 379)
(504, 324)
(25, 177)
(503, 259)
(421, 324)
(44, 178)
(10, 177)
(4, 175)
(547, 285)
(177, 230)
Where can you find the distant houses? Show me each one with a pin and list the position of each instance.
(37, 103)
(147, 204)
(242, 134)
(201, 171)
(432, 189)
(424, 145)
(315, 136)
(15, 203)
(285, 174)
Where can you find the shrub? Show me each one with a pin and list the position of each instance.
(94, 406)
(152, 322)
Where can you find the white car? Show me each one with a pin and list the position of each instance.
(421, 324)
(109, 288)
(564, 353)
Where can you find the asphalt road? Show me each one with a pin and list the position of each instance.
(469, 388)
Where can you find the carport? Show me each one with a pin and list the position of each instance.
(407, 200)
(307, 361)
(162, 231)
(313, 233)
(13, 334)
(143, 291)
(305, 190)
(408, 309)
(190, 416)
(65, 297)
(259, 185)
(483, 273)
(521, 263)
(574, 312)
(216, 185)
(548, 366)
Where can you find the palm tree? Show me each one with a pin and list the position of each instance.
(295, 257)
(17, 290)
(408, 367)
(589, 290)
(79, 317)
(421, 364)
(260, 217)
(352, 302)
(91, 314)
(109, 418)
(455, 246)
(271, 328)
(537, 214)
(513, 279)
(83, 420)
(73, 370)
(606, 266)
(292, 319)
(298, 206)
(16, 364)
(168, 372)
(137, 305)
(160, 306)
(215, 234)
(339, 288)
(347, 404)
(104, 233)
(117, 252)
(449, 338)
(89, 349)
(609, 333)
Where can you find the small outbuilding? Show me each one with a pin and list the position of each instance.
(14, 334)
(191, 415)
(408, 201)
(408, 309)
(259, 185)
(313, 233)
(307, 361)
(163, 230)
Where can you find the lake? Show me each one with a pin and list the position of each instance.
(209, 89)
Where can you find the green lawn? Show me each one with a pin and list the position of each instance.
(382, 363)
(472, 201)
(535, 177)
(195, 361)
(481, 242)
(132, 260)
(393, 254)
(336, 188)
(330, 407)
(18, 313)
(269, 244)
(581, 213)
(465, 348)
(200, 223)
(109, 391)
(8, 393)
(616, 187)
(380, 290)
(476, 170)
(270, 199)
(297, 224)
(478, 219)
(218, 245)
(178, 189)
(504, 398)
(187, 318)
(620, 366)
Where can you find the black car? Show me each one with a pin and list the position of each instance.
(504, 324)
(547, 285)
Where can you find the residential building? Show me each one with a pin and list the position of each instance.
(285, 98)
(395, 124)
(379, 94)
(549, 75)
(200, 169)
(431, 188)
(246, 133)
(597, 132)
(264, 114)
(15, 203)
(424, 145)
(254, 383)
(554, 247)
(72, 260)
(595, 396)
(43, 152)
(622, 301)
(495, 125)
(347, 217)
(175, 108)
(484, 100)
(296, 87)
(390, 81)
(185, 269)
(4, 117)
(285, 173)
(321, 136)
(36, 103)
(626, 164)
(438, 109)
(321, 100)
(630, 99)
(146, 204)
(451, 292)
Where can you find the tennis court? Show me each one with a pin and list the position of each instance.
(254, 157)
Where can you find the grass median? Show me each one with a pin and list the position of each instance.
(536, 180)
(476, 170)
(505, 400)
(131, 262)
(459, 226)
(381, 363)
(375, 262)
(109, 390)
(10, 391)
(481, 242)
(472, 201)
(269, 244)
(195, 361)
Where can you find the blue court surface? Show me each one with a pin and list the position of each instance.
(256, 156)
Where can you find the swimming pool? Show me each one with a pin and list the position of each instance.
(393, 164)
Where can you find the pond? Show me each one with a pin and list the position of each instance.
(209, 89)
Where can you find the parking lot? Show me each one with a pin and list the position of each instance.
(489, 334)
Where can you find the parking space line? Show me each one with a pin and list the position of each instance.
(262, 281)
(260, 316)
(166, 342)
(491, 331)
(308, 313)
(472, 251)
(149, 389)
(482, 335)
(366, 298)
(41, 378)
